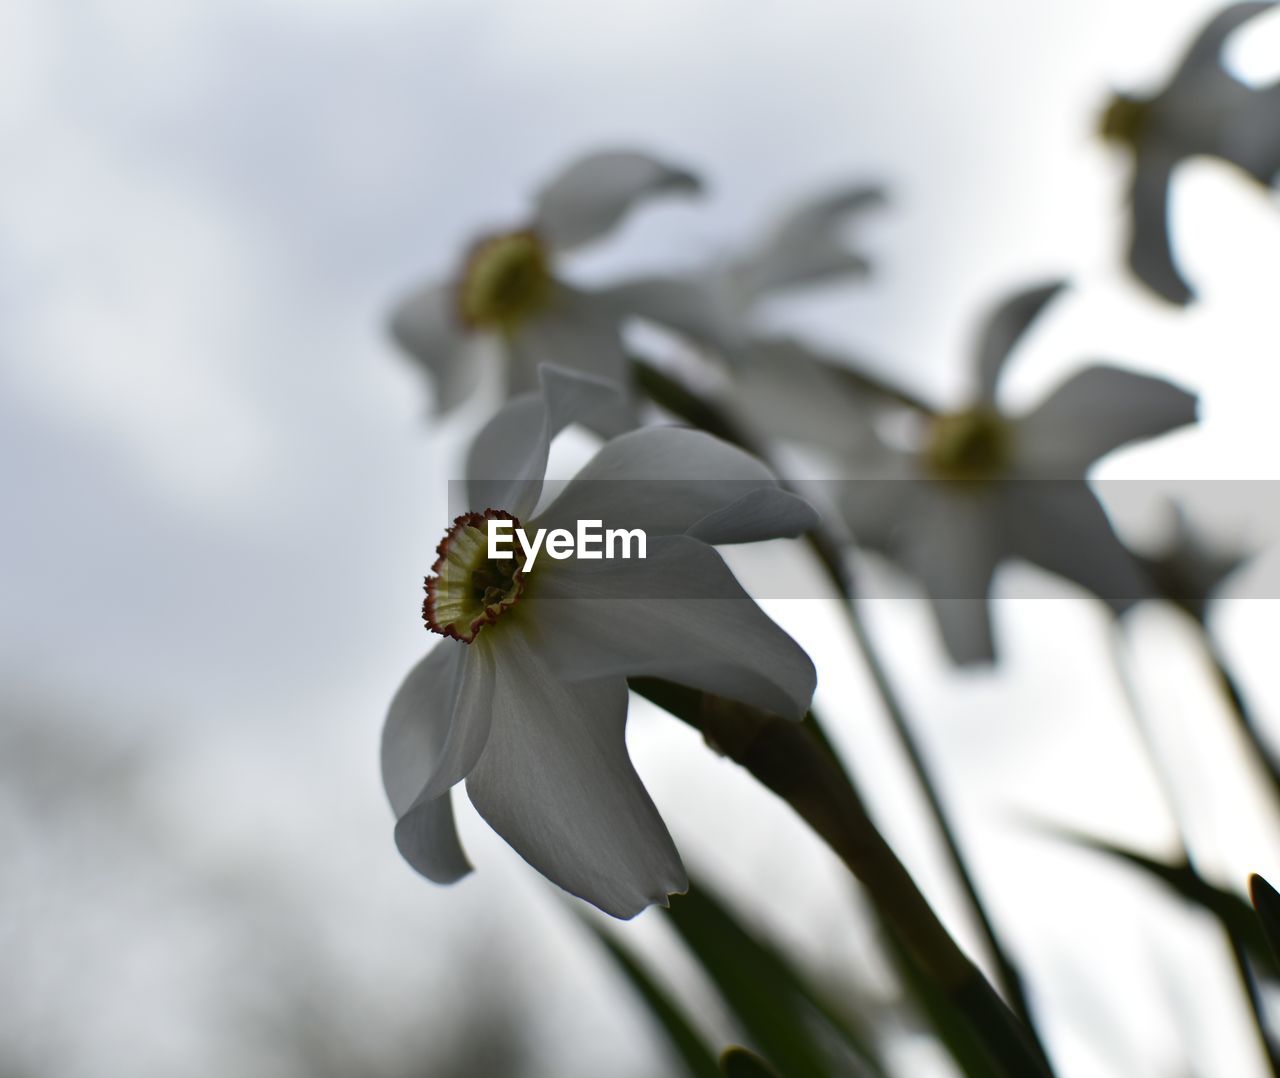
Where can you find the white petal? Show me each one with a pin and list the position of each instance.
(670, 480)
(472, 712)
(1150, 248)
(425, 326)
(785, 389)
(678, 614)
(508, 459)
(578, 332)
(954, 549)
(1004, 329)
(593, 194)
(555, 781)
(1094, 412)
(412, 739)
(1252, 138)
(699, 307)
(1060, 526)
(1205, 54)
(806, 245)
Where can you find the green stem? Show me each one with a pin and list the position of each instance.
(790, 761)
(676, 398)
(1240, 712)
(1248, 982)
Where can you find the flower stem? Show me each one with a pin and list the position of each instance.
(795, 765)
(694, 409)
(1240, 711)
(1248, 981)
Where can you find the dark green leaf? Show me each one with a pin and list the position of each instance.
(1267, 902)
(685, 1041)
(738, 1062)
(787, 1019)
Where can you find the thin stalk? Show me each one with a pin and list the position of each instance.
(790, 761)
(706, 415)
(1248, 981)
(1239, 709)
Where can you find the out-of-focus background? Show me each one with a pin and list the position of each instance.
(221, 491)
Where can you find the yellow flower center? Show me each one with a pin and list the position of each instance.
(969, 445)
(467, 589)
(506, 280)
(1124, 120)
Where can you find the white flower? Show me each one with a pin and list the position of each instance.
(505, 293)
(714, 307)
(1188, 569)
(527, 699)
(979, 486)
(1202, 111)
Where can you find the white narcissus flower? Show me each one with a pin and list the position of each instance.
(1203, 110)
(527, 698)
(981, 486)
(713, 308)
(505, 294)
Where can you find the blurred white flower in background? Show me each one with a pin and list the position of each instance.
(715, 307)
(1203, 110)
(528, 699)
(506, 292)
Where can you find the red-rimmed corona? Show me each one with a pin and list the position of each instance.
(467, 590)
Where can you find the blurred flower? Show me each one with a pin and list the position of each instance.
(1202, 111)
(979, 486)
(527, 700)
(713, 307)
(1187, 571)
(505, 293)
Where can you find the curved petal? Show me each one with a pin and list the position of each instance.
(698, 307)
(1150, 248)
(555, 781)
(412, 739)
(671, 480)
(1004, 329)
(1060, 526)
(1094, 412)
(1252, 138)
(424, 325)
(578, 332)
(469, 726)
(806, 244)
(594, 193)
(953, 547)
(678, 614)
(508, 459)
(1205, 53)
(785, 389)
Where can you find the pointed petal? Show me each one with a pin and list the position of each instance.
(1252, 138)
(424, 325)
(806, 244)
(1060, 526)
(469, 726)
(954, 548)
(678, 614)
(698, 307)
(1150, 248)
(1094, 412)
(579, 332)
(787, 390)
(508, 459)
(1205, 52)
(555, 781)
(1005, 328)
(594, 193)
(671, 480)
(412, 739)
